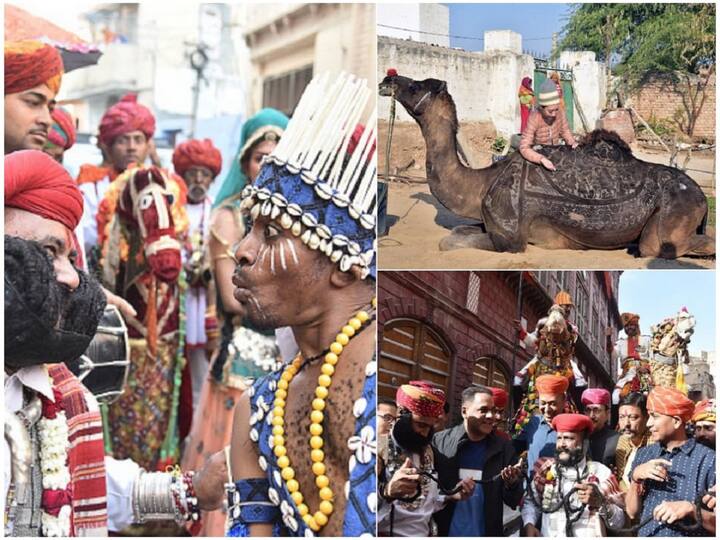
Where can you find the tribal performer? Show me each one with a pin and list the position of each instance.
(198, 163)
(303, 445)
(244, 352)
(59, 481)
(632, 354)
(126, 131)
(570, 495)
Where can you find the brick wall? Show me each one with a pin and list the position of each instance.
(663, 100)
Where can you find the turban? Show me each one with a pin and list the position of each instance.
(29, 64)
(551, 384)
(629, 318)
(671, 402)
(125, 116)
(572, 422)
(37, 183)
(595, 396)
(563, 299)
(62, 133)
(421, 398)
(197, 153)
(500, 397)
(704, 411)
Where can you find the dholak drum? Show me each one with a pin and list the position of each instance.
(104, 367)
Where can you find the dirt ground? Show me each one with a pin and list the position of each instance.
(418, 221)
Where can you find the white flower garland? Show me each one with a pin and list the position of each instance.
(53, 435)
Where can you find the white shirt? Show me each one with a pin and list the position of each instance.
(120, 475)
(93, 193)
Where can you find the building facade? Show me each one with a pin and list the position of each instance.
(458, 328)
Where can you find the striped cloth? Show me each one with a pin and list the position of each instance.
(86, 456)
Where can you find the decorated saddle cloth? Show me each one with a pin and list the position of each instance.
(360, 491)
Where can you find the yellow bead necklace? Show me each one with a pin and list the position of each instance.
(319, 519)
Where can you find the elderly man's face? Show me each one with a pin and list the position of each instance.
(27, 119)
(662, 426)
(568, 446)
(131, 147)
(551, 405)
(631, 421)
(198, 179)
(52, 235)
(598, 414)
(705, 433)
(278, 279)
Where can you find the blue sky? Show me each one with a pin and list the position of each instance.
(656, 294)
(530, 20)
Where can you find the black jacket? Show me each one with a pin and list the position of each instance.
(603, 445)
(500, 454)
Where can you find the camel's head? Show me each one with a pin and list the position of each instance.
(415, 96)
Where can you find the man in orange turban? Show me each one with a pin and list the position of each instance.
(669, 474)
(570, 469)
(33, 71)
(500, 399)
(62, 134)
(704, 421)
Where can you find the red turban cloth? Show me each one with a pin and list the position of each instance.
(574, 423)
(125, 116)
(704, 411)
(199, 154)
(500, 397)
(29, 64)
(37, 183)
(62, 133)
(551, 384)
(671, 402)
(595, 396)
(421, 398)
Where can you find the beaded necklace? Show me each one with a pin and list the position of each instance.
(319, 519)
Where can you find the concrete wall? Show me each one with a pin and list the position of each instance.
(433, 18)
(484, 84)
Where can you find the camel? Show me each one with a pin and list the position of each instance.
(600, 197)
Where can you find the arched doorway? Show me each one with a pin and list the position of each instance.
(411, 350)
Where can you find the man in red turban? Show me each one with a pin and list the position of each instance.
(62, 134)
(500, 399)
(125, 139)
(594, 483)
(198, 162)
(704, 422)
(603, 441)
(669, 474)
(33, 71)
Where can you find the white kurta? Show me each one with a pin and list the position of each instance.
(93, 193)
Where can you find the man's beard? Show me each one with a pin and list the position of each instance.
(575, 456)
(407, 438)
(196, 193)
(45, 321)
(706, 441)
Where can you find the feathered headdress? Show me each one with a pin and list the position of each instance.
(319, 182)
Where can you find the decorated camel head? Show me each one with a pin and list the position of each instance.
(145, 205)
(673, 334)
(556, 323)
(600, 197)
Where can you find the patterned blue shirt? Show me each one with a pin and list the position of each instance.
(540, 438)
(692, 472)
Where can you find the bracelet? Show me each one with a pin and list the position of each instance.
(154, 497)
(193, 508)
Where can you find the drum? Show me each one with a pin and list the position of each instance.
(103, 369)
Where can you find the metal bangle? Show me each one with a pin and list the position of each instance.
(155, 498)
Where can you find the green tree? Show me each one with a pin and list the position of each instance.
(640, 42)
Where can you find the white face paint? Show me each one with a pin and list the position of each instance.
(282, 257)
(272, 260)
(291, 247)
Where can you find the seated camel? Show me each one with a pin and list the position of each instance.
(600, 197)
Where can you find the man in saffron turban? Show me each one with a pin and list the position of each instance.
(704, 421)
(631, 354)
(62, 134)
(33, 71)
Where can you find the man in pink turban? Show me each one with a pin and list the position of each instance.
(125, 138)
(603, 440)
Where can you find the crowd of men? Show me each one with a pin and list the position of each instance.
(73, 469)
(653, 474)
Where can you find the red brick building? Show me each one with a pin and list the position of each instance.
(456, 328)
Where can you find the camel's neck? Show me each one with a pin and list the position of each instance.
(459, 188)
